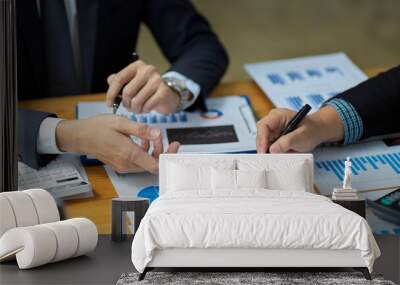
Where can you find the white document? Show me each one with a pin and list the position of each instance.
(291, 83)
(64, 177)
(128, 185)
(374, 165)
(228, 126)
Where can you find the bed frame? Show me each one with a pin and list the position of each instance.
(242, 259)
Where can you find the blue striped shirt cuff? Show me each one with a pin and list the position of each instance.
(352, 123)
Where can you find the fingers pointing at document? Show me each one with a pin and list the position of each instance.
(111, 142)
(142, 89)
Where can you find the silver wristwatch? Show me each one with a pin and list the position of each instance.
(180, 88)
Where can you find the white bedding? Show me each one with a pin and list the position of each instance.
(251, 218)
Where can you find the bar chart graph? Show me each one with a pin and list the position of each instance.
(368, 171)
(316, 99)
(295, 102)
(152, 118)
(362, 164)
(291, 83)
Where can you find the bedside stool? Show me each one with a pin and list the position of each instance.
(119, 208)
(356, 206)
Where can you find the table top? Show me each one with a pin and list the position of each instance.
(98, 208)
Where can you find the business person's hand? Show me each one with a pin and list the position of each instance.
(142, 88)
(107, 137)
(322, 126)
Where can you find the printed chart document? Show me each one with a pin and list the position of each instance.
(128, 185)
(228, 126)
(291, 83)
(374, 165)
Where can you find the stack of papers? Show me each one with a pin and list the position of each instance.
(341, 194)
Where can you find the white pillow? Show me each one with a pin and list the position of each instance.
(185, 175)
(226, 179)
(223, 179)
(281, 175)
(292, 179)
(251, 178)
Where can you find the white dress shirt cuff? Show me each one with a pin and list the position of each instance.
(46, 140)
(190, 84)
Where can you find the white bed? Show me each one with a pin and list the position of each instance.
(200, 225)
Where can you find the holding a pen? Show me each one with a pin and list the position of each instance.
(366, 111)
(283, 130)
(141, 89)
(118, 99)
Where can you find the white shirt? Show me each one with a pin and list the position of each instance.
(46, 141)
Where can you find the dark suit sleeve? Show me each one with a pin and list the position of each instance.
(187, 40)
(28, 130)
(377, 101)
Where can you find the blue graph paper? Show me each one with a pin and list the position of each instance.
(301, 75)
(295, 102)
(362, 164)
(316, 99)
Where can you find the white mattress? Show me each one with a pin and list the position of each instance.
(256, 219)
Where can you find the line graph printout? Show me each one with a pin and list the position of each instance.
(374, 165)
(291, 83)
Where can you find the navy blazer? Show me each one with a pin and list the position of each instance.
(377, 101)
(108, 32)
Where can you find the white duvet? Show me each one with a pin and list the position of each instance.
(250, 219)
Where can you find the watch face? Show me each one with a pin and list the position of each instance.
(180, 87)
(187, 95)
(178, 83)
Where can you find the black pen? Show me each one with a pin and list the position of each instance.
(118, 99)
(292, 125)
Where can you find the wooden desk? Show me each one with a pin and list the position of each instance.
(98, 208)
